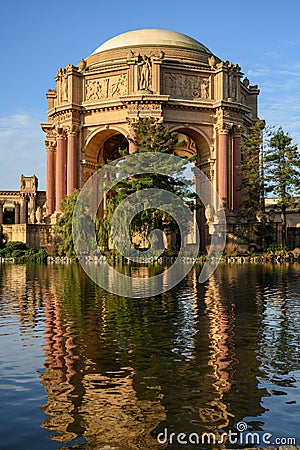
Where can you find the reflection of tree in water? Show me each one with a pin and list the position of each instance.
(280, 335)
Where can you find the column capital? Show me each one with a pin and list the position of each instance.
(73, 130)
(237, 130)
(60, 133)
(224, 128)
(50, 146)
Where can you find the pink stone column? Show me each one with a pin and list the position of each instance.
(61, 170)
(50, 181)
(132, 147)
(72, 165)
(1, 211)
(223, 167)
(237, 179)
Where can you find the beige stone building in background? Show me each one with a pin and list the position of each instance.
(141, 73)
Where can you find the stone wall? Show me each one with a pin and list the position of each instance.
(34, 235)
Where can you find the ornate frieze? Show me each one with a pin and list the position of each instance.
(191, 87)
(108, 87)
(144, 107)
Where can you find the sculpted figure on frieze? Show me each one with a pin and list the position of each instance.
(144, 74)
(106, 87)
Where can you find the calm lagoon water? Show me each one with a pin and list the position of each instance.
(82, 368)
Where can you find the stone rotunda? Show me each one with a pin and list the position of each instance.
(149, 72)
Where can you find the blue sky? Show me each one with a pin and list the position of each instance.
(38, 37)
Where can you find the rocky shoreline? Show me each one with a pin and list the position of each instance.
(243, 259)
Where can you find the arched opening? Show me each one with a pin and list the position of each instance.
(193, 143)
(103, 147)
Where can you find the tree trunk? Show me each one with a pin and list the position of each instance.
(283, 226)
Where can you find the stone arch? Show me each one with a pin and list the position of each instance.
(101, 147)
(200, 139)
(199, 142)
(95, 142)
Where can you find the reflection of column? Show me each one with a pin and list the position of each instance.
(17, 212)
(223, 166)
(50, 180)
(1, 211)
(72, 166)
(237, 193)
(61, 160)
(23, 210)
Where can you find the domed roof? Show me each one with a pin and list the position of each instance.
(152, 37)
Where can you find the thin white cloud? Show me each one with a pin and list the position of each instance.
(279, 84)
(21, 150)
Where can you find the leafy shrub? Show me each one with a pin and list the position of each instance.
(278, 250)
(19, 251)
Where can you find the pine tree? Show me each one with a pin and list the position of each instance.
(282, 174)
(151, 136)
(251, 171)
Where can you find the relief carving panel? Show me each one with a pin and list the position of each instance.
(102, 88)
(186, 86)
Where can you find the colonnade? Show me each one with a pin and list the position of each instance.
(62, 167)
(26, 209)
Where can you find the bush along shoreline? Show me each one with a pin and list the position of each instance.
(18, 253)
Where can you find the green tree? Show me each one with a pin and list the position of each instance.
(282, 174)
(63, 227)
(251, 171)
(150, 136)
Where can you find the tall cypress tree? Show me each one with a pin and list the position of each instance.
(282, 174)
(251, 171)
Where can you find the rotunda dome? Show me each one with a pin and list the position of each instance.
(152, 37)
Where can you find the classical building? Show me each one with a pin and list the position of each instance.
(22, 214)
(141, 73)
